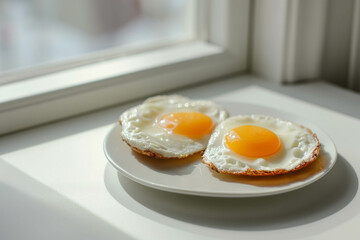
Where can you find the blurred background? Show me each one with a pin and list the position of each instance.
(33, 32)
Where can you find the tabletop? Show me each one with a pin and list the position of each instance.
(56, 183)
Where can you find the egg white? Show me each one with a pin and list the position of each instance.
(298, 144)
(140, 126)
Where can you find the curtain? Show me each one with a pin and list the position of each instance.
(341, 52)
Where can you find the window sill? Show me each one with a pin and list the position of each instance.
(112, 82)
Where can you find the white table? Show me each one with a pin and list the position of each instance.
(55, 182)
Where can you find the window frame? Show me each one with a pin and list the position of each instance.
(220, 49)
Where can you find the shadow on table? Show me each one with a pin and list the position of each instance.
(31, 210)
(319, 200)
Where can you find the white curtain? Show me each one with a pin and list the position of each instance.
(341, 53)
(307, 40)
(354, 76)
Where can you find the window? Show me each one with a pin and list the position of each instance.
(59, 33)
(217, 46)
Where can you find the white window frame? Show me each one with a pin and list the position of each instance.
(220, 49)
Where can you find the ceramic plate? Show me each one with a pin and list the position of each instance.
(191, 176)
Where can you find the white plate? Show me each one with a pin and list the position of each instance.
(190, 176)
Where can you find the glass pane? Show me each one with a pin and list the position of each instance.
(33, 32)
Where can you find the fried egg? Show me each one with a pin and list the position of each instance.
(260, 145)
(170, 126)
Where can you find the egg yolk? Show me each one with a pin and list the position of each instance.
(190, 124)
(253, 141)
